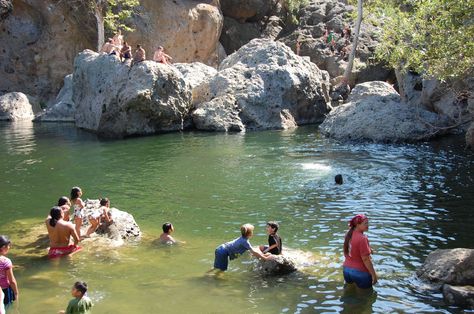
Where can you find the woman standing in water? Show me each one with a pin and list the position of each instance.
(358, 265)
(78, 206)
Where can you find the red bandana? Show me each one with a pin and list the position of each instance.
(358, 219)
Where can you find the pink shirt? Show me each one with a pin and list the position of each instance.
(5, 265)
(358, 247)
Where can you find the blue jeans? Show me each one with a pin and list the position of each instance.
(221, 260)
(361, 278)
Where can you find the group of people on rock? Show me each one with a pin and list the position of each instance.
(358, 268)
(116, 46)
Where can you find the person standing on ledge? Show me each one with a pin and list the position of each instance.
(358, 267)
(60, 233)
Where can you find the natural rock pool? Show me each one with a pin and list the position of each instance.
(418, 198)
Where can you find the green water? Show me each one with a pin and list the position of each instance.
(418, 198)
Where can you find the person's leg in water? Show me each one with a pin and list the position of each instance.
(94, 224)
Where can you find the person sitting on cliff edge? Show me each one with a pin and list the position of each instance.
(109, 48)
(161, 57)
(139, 55)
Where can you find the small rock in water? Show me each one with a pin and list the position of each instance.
(279, 265)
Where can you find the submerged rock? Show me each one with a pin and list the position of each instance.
(279, 265)
(123, 227)
(459, 295)
(16, 106)
(264, 85)
(375, 112)
(116, 100)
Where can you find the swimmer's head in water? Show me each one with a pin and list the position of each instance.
(76, 192)
(338, 179)
(167, 227)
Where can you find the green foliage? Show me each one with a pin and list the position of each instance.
(433, 37)
(293, 6)
(117, 15)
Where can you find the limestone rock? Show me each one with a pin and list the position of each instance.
(451, 266)
(459, 295)
(63, 109)
(235, 34)
(245, 9)
(16, 106)
(470, 136)
(123, 227)
(264, 85)
(43, 38)
(278, 265)
(188, 30)
(410, 86)
(117, 100)
(195, 74)
(375, 113)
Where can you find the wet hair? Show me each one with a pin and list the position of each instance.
(80, 286)
(246, 230)
(139, 46)
(274, 225)
(75, 192)
(338, 179)
(104, 201)
(167, 227)
(63, 200)
(4, 240)
(55, 214)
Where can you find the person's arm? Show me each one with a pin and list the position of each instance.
(167, 56)
(259, 254)
(74, 234)
(270, 248)
(13, 284)
(368, 263)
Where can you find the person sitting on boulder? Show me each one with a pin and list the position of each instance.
(233, 249)
(161, 57)
(274, 241)
(118, 39)
(139, 55)
(60, 233)
(109, 48)
(126, 52)
(65, 205)
(96, 217)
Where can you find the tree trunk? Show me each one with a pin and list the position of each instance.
(350, 63)
(100, 26)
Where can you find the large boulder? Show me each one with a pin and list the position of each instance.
(123, 227)
(451, 266)
(188, 30)
(375, 112)
(63, 110)
(41, 39)
(116, 100)
(16, 106)
(263, 85)
(195, 74)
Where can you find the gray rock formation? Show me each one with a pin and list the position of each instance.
(43, 38)
(6, 7)
(459, 295)
(116, 100)
(195, 74)
(335, 14)
(451, 270)
(123, 226)
(264, 85)
(279, 265)
(375, 113)
(63, 110)
(451, 266)
(16, 106)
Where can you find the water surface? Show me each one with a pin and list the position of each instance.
(418, 198)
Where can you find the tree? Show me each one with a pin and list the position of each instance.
(350, 63)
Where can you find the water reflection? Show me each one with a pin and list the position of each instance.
(19, 137)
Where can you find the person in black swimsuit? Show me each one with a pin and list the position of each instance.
(274, 241)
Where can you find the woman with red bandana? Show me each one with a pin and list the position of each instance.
(358, 265)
